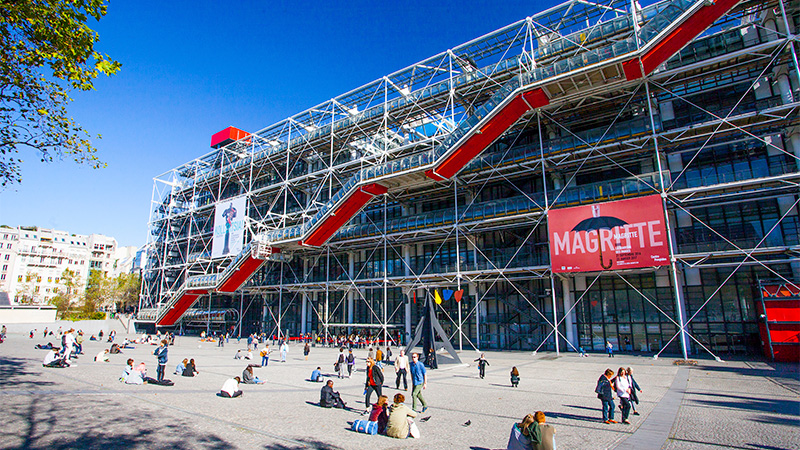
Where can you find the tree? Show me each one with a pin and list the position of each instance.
(47, 50)
(69, 293)
(126, 291)
(26, 292)
(99, 291)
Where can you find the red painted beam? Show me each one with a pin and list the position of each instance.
(677, 39)
(344, 213)
(783, 310)
(177, 310)
(490, 131)
(375, 189)
(341, 216)
(240, 275)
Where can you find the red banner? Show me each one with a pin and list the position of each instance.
(624, 234)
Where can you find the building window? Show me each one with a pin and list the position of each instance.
(5, 267)
(3, 277)
(19, 279)
(8, 245)
(7, 256)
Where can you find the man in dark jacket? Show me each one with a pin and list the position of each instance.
(374, 381)
(161, 354)
(605, 392)
(328, 398)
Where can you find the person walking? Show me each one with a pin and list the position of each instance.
(419, 382)
(634, 387)
(284, 351)
(340, 363)
(482, 363)
(351, 362)
(161, 355)
(306, 350)
(374, 381)
(609, 349)
(623, 389)
(401, 369)
(605, 393)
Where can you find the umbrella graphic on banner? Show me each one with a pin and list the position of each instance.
(597, 223)
(459, 293)
(436, 297)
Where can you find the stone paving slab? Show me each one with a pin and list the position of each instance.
(86, 407)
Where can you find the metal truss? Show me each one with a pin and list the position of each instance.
(292, 170)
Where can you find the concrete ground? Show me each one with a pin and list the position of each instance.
(743, 405)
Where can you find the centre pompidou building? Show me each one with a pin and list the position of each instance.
(598, 172)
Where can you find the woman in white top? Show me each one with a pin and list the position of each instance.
(230, 388)
(623, 388)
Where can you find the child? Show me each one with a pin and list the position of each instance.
(514, 377)
(482, 363)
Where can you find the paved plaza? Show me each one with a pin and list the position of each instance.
(736, 404)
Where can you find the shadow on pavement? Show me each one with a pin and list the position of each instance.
(15, 373)
(54, 423)
(306, 443)
(775, 406)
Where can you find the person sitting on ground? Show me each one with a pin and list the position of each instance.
(102, 356)
(142, 369)
(514, 377)
(190, 370)
(230, 388)
(524, 435)
(547, 438)
(316, 375)
(126, 344)
(249, 355)
(47, 346)
(380, 414)
(400, 424)
(131, 375)
(328, 398)
(52, 359)
(115, 349)
(249, 378)
(239, 354)
(181, 366)
(92, 338)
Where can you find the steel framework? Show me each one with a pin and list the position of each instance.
(441, 175)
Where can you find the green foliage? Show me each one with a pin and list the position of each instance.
(83, 315)
(47, 50)
(61, 302)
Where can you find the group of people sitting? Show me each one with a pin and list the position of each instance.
(230, 388)
(186, 368)
(134, 375)
(532, 434)
(394, 420)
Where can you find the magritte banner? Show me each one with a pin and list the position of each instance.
(624, 234)
(229, 227)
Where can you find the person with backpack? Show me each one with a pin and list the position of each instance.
(605, 392)
(351, 362)
(340, 363)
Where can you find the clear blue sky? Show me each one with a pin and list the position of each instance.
(190, 69)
